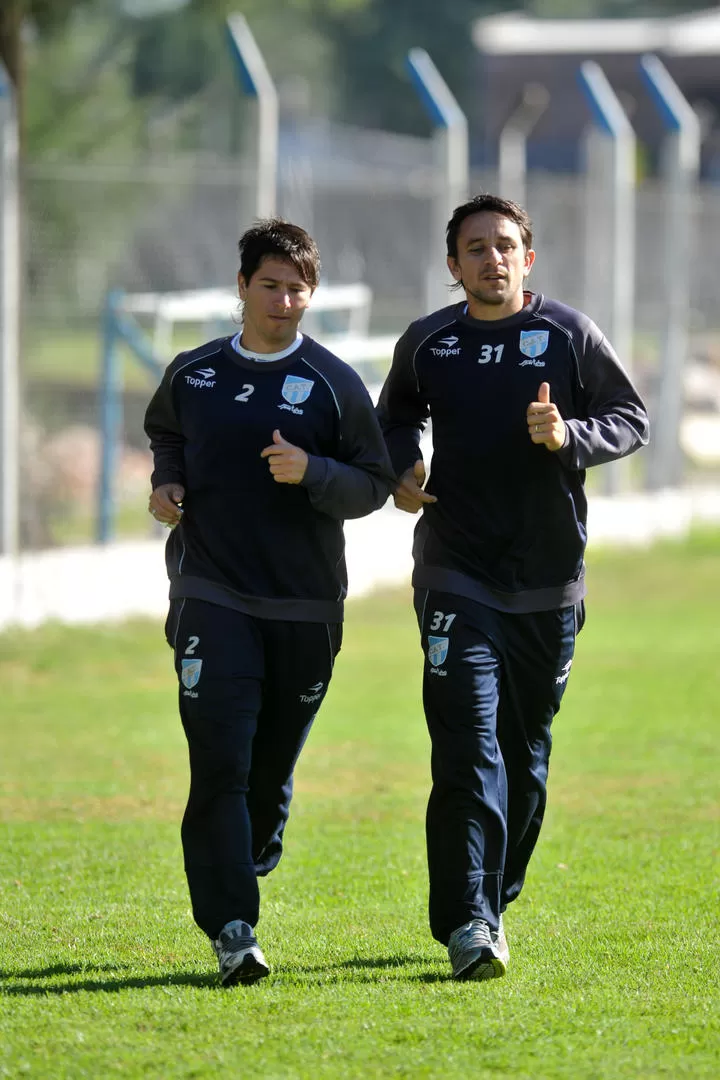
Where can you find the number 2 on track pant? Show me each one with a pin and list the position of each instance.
(249, 692)
(492, 684)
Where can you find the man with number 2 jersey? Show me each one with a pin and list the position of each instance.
(264, 443)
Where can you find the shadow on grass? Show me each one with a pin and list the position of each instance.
(378, 969)
(106, 985)
(61, 969)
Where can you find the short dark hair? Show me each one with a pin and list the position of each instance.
(491, 204)
(274, 236)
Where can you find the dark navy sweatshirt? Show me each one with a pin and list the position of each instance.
(245, 541)
(509, 525)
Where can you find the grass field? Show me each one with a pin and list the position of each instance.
(614, 958)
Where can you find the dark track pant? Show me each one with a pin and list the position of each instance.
(492, 684)
(246, 710)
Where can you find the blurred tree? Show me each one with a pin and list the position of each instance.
(156, 74)
(371, 40)
(78, 96)
(174, 56)
(177, 57)
(345, 58)
(45, 16)
(10, 24)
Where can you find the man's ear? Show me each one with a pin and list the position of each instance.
(454, 268)
(242, 287)
(529, 260)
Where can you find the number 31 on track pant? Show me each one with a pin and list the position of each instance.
(492, 684)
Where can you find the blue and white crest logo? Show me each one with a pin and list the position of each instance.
(296, 390)
(190, 673)
(437, 649)
(534, 342)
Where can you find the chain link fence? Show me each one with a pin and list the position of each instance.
(173, 224)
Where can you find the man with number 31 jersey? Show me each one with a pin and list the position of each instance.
(524, 394)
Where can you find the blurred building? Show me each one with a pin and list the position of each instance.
(516, 50)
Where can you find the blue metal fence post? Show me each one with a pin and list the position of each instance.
(512, 144)
(450, 144)
(614, 138)
(681, 167)
(257, 82)
(10, 283)
(111, 419)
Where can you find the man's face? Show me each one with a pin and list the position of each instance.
(491, 265)
(274, 300)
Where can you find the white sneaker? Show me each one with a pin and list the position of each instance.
(239, 955)
(473, 953)
(500, 942)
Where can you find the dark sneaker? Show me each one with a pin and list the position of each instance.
(239, 955)
(473, 953)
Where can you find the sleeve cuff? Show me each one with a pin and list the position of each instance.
(315, 473)
(159, 478)
(565, 451)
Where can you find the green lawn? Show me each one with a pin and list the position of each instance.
(614, 961)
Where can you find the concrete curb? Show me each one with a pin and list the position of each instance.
(120, 580)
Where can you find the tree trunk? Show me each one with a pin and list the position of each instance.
(11, 18)
(10, 22)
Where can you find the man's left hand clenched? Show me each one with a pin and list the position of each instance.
(287, 462)
(545, 424)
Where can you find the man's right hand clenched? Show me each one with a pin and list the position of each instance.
(409, 495)
(166, 504)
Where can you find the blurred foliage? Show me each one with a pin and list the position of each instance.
(78, 97)
(371, 45)
(44, 16)
(99, 78)
(371, 39)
